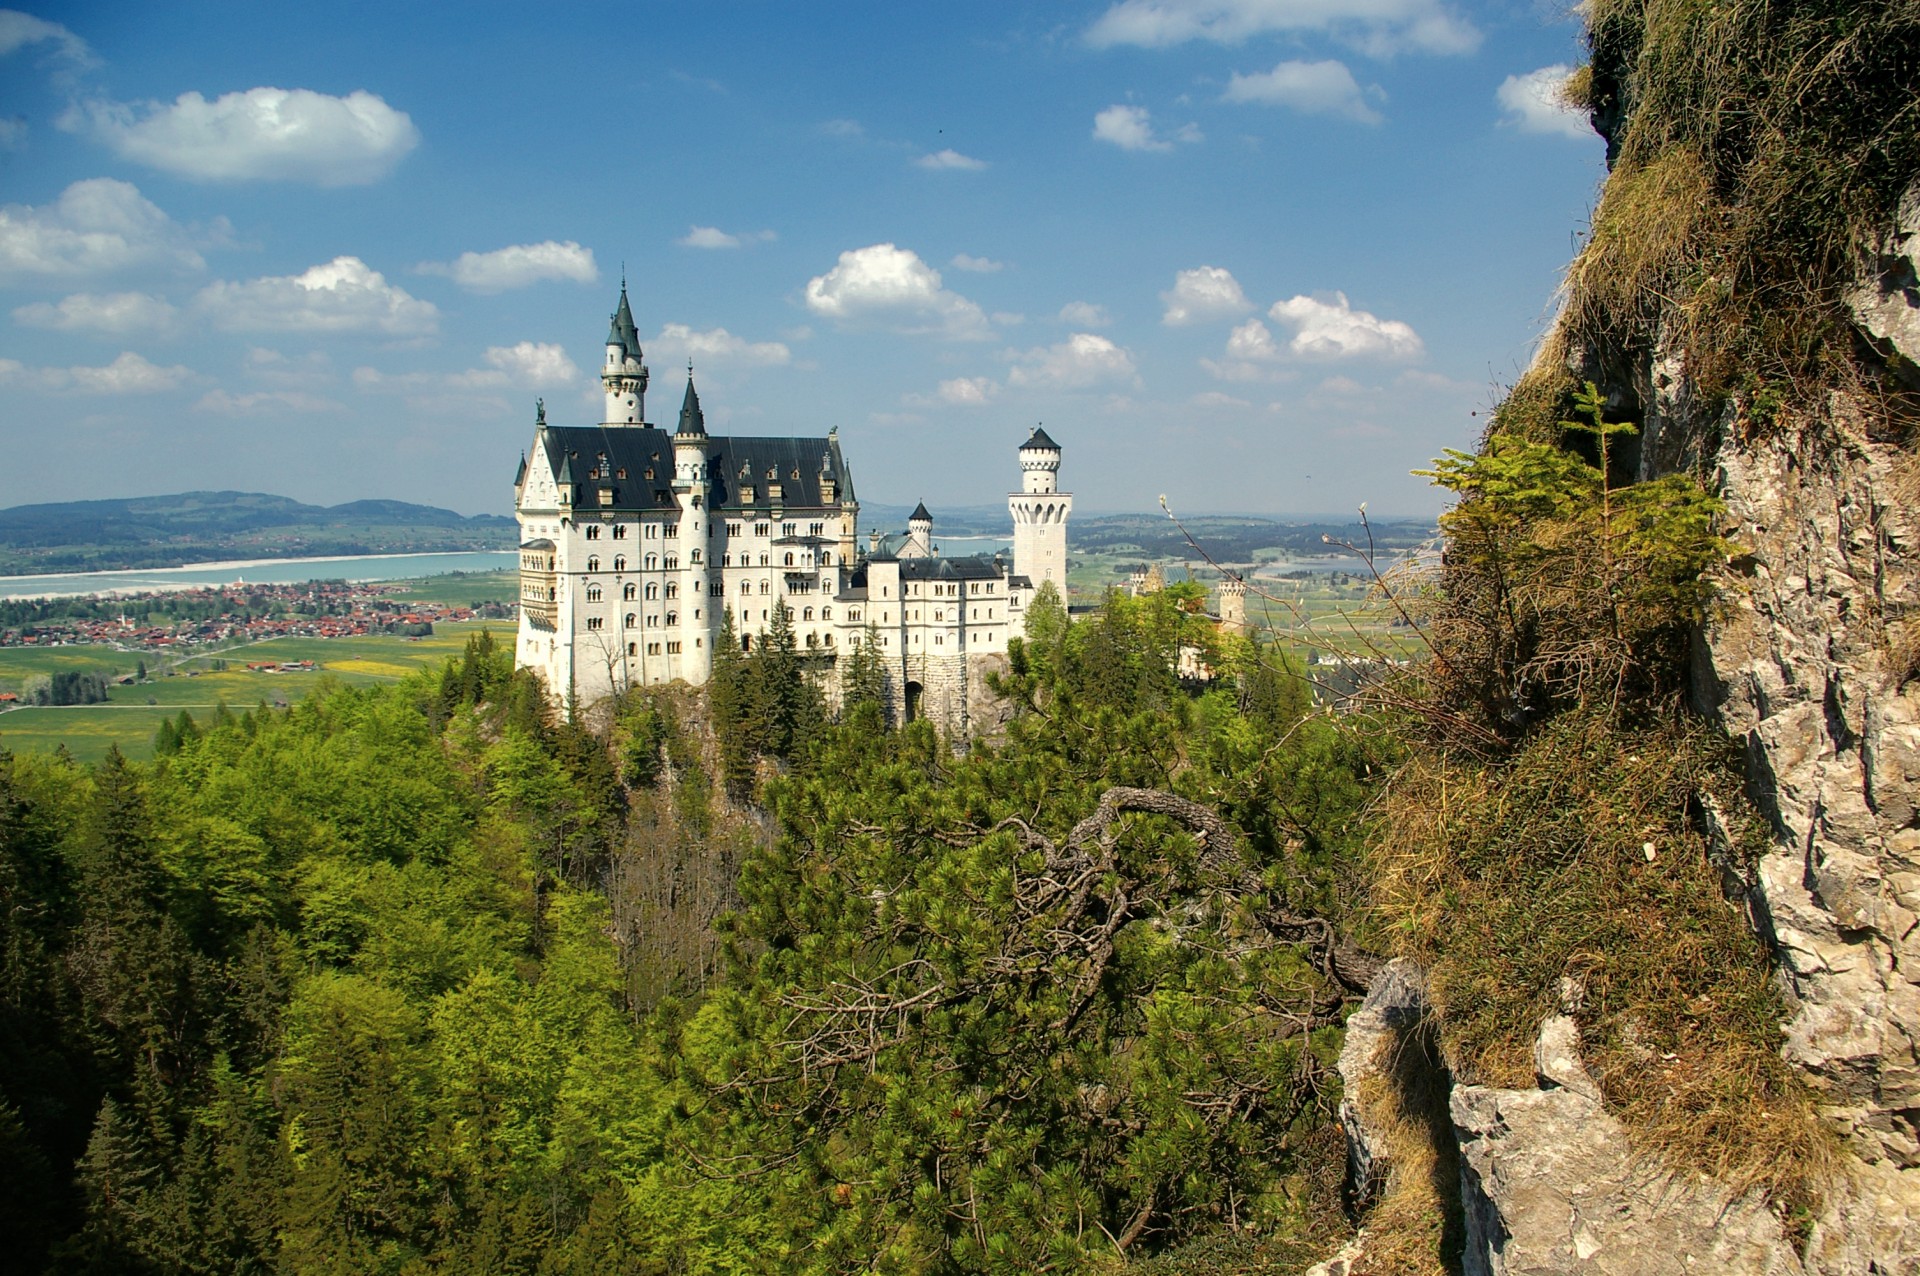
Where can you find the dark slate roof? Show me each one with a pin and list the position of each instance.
(920, 514)
(520, 475)
(1038, 439)
(576, 454)
(692, 419)
(622, 332)
(542, 543)
(798, 466)
(977, 567)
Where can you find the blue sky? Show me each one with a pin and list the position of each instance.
(1258, 255)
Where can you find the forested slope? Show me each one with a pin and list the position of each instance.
(411, 979)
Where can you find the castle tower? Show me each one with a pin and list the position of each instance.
(625, 374)
(1233, 604)
(690, 484)
(919, 534)
(1040, 512)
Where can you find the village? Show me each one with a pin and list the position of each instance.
(219, 616)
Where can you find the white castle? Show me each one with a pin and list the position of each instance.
(635, 544)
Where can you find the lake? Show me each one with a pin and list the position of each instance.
(258, 571)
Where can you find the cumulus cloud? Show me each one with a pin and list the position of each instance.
(1081, 362)
(128, 374)
(1084, 314)
(1206, 292)
(221, 403)
(1131, 129)
(343, 295)
(517, 266)
(20, 30)
(533, 363)
(717, 346)
(965, 392)
(114, 312)
(97, 225)
(262, 134)
(891, 286)
(1330, 328)
(1251, 355)
(1319, 88)
(714, 237)
(1536, 103)
(950, 159)
(978, 265)
(1377, 27)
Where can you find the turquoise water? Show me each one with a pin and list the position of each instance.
(264, 571)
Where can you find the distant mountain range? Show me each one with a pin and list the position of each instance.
(199, 527)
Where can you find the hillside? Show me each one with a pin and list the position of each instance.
(198, 527)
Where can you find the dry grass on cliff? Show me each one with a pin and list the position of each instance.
(1528, 883)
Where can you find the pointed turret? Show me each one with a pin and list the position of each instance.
(692, 420)
(621, 331)
(920, 515)
(625, 374)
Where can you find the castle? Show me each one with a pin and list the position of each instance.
(636, 544)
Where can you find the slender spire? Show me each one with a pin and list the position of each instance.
(692, 420)
(621, 332)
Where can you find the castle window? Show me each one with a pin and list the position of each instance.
(595, 622)
(633, 649)
(746, 642)
(620, 529)
(632, 620)
(789, 612)
(813, 640)
(939, 640)
(673, 562)
(653, 590)
(746, 587)
(628, 590)
(653, 622)
(789, 561)
(653, 561)
(733, 529)
(673, 529)
(726, 560)
(673, 649)
(808, 615)
(619, 562)
(763, 560)
(716, 590)
(760, 529)
(787, 529)
(939, 615)
(673, 618)
(854, 614)
(593, 532)
(763, 587)
(826, 558)
(696, 556)
(826, 613)
(653, 649)
(593, 562)
(816, 529)
(593, 593)
(652, 531)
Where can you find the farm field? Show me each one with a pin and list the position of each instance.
(132, 714)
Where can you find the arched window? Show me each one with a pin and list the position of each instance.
(593, 532)
(763, 587)
(653, 590)
(826, 613)
(653, 561)
(593, 593)
(809, 614)
(632, 620)
(673, 618)
(619, 531)
(593, 562)
(629, 591)
(829, 640)
(746, 642)
(746, 587)
(826, 558)
(619, 562)
(673, 589)
(789, 561)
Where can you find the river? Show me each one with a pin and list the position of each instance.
(257, 571)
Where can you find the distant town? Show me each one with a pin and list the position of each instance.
(226, 615)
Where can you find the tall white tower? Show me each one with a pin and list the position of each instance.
(1040, 512)
(625, 373)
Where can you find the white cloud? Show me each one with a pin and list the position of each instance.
(1536, 103)
(714, 237)
(978, 265)
(1319, 88)
(533, 363)
(950, 159)
(343, 295)
(1084, 314)
(1333, 329)
(1081, 362)
(97, 225)
(965, 392)
(517, 266)
(717, 346)
(262, 134)
(115, 312)
(1206, 292)
(1251, 355)
(18, 30)
(1131, 129)
(893, 287)
(128, 374)
(224, 404)
(1378, 27)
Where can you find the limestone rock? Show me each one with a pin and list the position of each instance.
(1886, 305)
(1550, 1187)
(1395, 1006)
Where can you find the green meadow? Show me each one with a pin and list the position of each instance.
(132, 714)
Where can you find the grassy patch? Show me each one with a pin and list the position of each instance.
(1585, 871)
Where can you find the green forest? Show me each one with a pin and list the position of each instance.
(423, 977)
